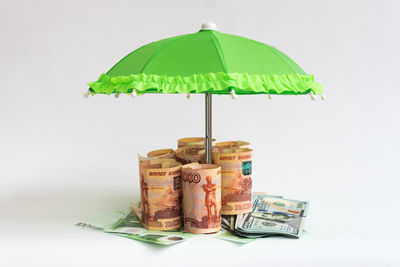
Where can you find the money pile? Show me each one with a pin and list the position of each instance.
(191, 149)
(270, 216)
(190, 154)
(180, 196)
(235, 228)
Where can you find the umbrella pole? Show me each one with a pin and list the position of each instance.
(208, 139)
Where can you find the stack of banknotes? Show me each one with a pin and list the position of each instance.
(270, 216)
(127, 224)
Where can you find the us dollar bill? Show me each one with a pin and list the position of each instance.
(273, 215)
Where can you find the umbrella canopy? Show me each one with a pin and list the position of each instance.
(207, 61)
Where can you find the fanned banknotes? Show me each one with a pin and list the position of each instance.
(127, 224)
(271, 215)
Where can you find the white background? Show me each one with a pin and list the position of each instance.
(65, 159)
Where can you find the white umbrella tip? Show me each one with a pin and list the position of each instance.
(208, 26)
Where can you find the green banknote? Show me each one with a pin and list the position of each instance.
(127, 224)
(273, 215)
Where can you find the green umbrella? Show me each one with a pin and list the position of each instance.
(206, 62)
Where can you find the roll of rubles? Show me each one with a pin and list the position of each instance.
(159, 154)
(192, 141)
(201, 186)
(221, 146)
(236, 170)
(162, 154)
(160, 194)
(191, 153)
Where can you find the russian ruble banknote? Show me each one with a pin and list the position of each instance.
(161, 194)
(188, 141)
(236, 171)
(201, 185)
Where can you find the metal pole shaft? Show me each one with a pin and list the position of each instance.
(208, 139)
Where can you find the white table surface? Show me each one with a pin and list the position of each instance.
(37, 229)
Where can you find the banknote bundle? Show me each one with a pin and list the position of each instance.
(201, 185)
(191, 149)
(186, 141)
(270, 216)
(158, 154)
(162, 154)
(191, 153)
(160, 193)
(221, 146)
(236, 170)
(127, 224)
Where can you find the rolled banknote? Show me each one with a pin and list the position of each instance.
(221, 146)
(236, 170)
(191, 153)
(191, 141)
(201, 185)
(160, 193)
(162, 154)
(158, 154)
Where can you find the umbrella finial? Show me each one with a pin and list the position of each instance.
(188, 96)
(208, 26)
